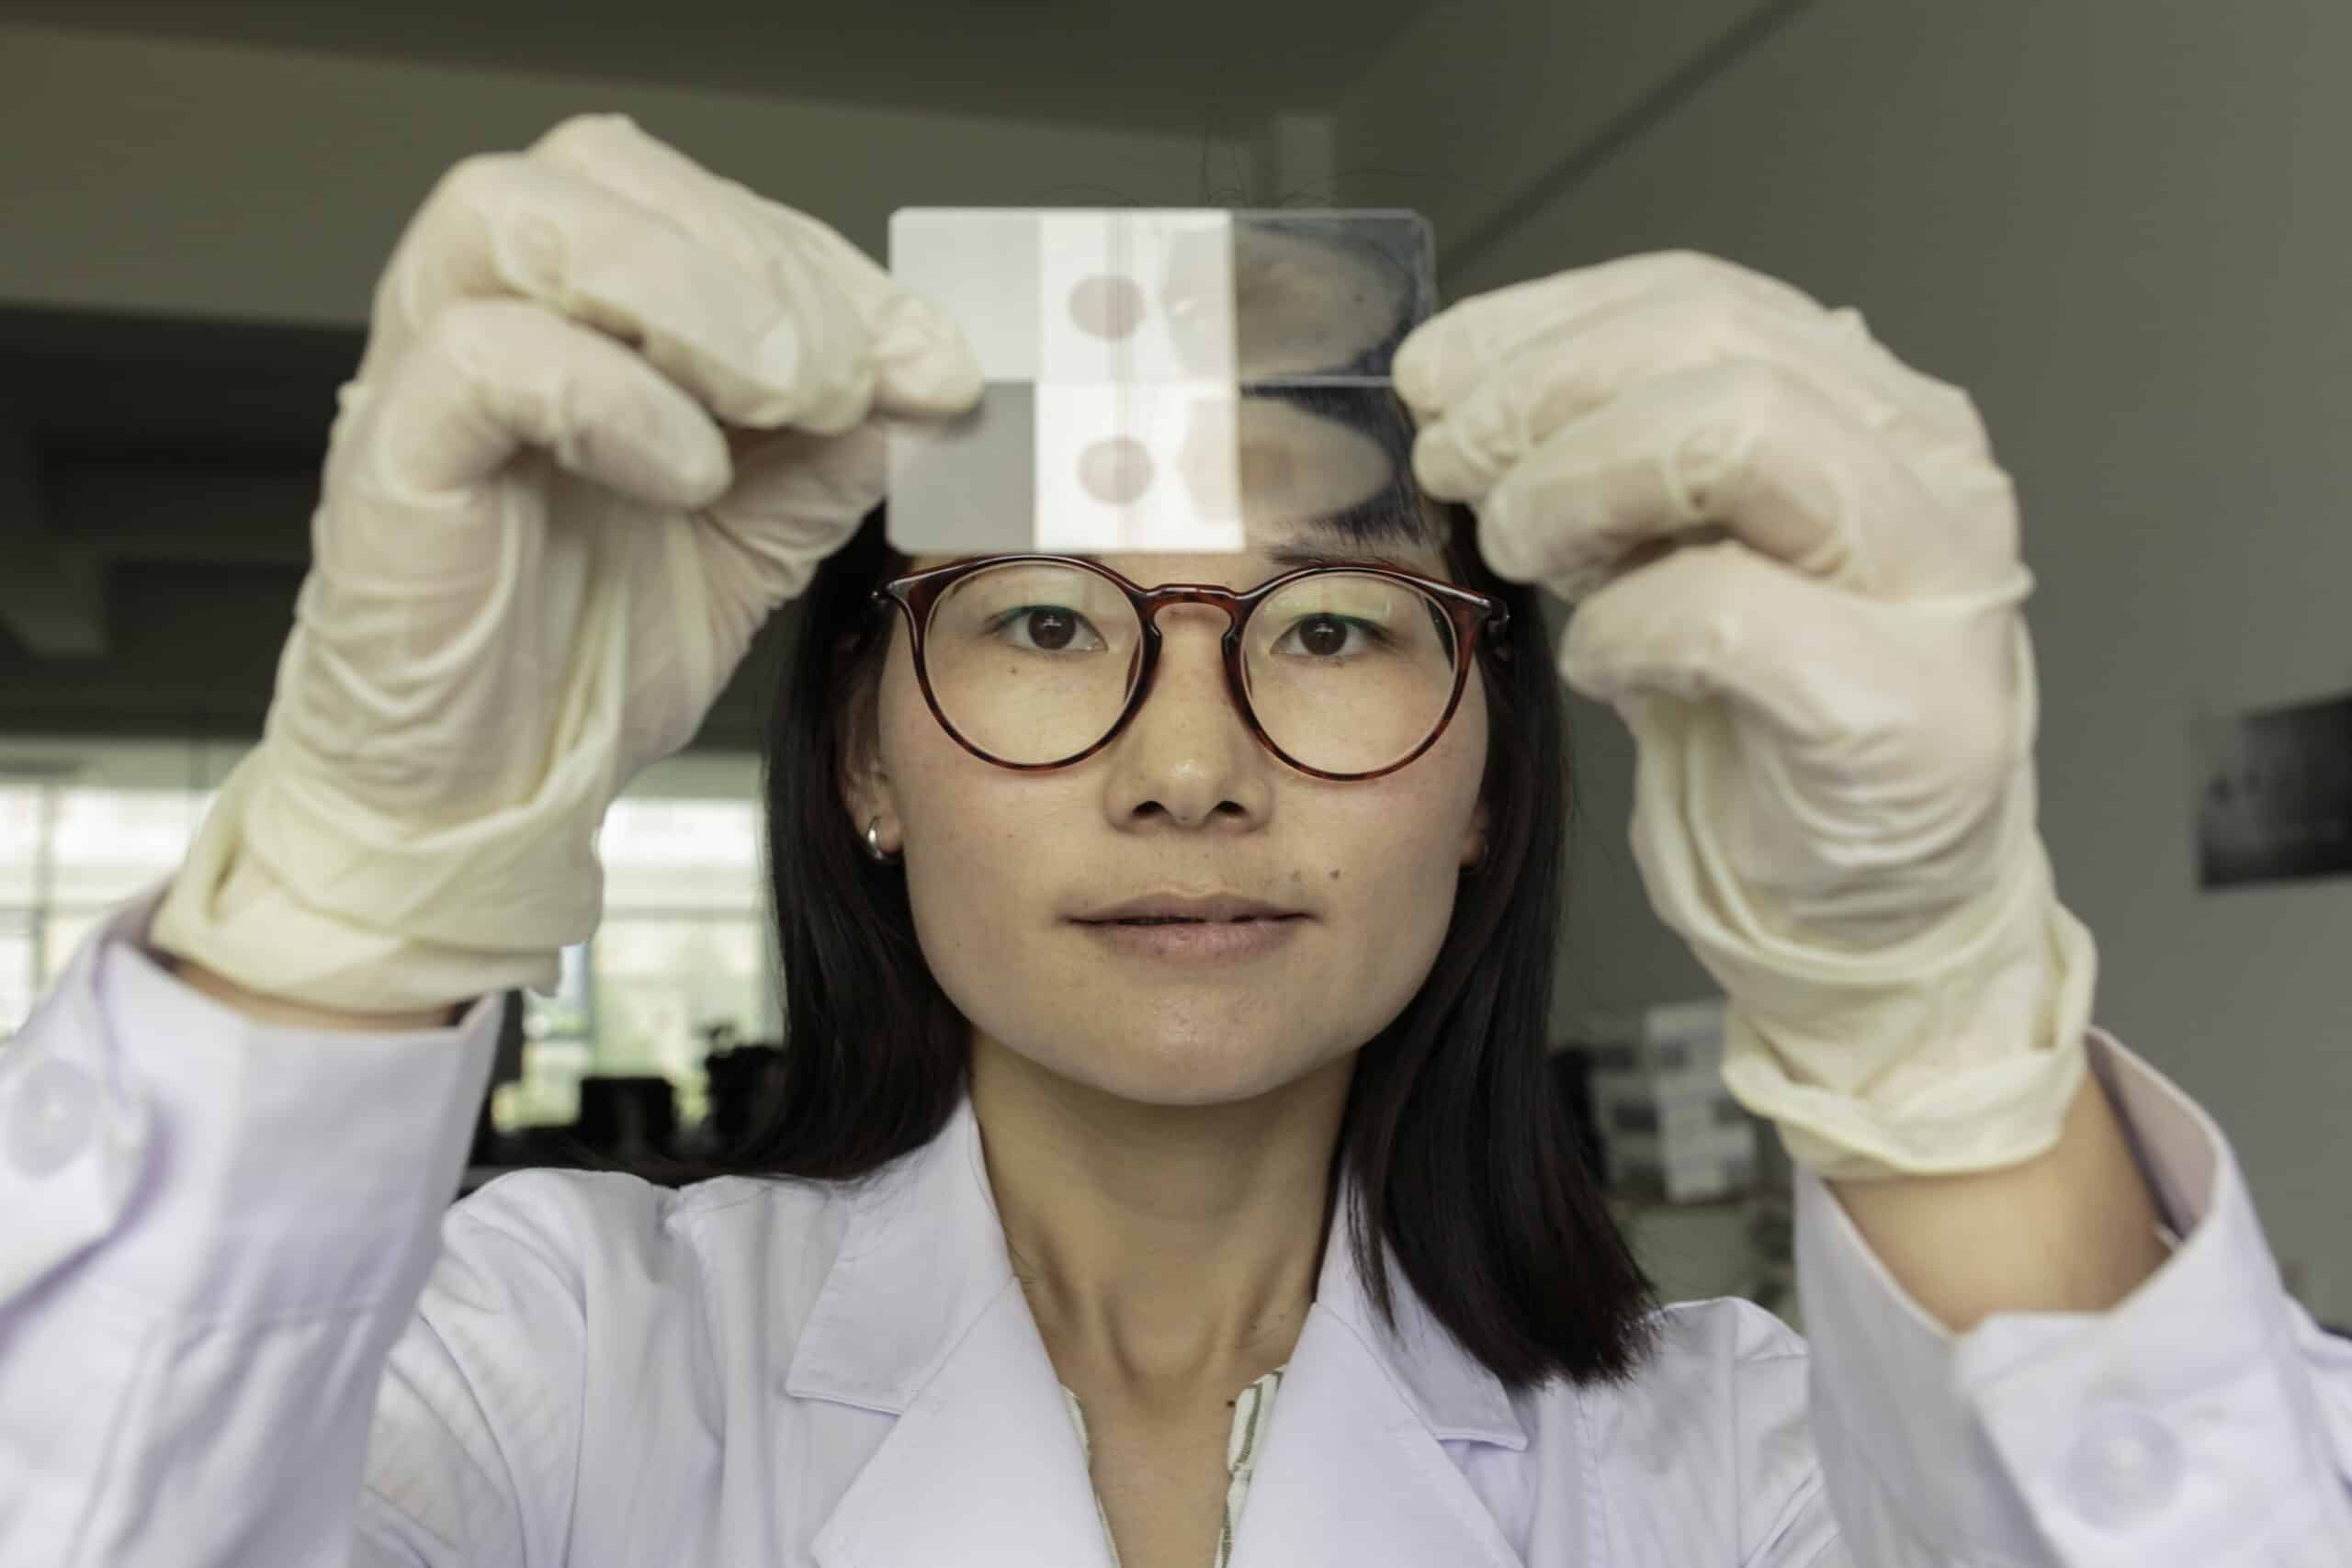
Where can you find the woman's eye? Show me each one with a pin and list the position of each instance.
(1052, 628)
(1325, 637)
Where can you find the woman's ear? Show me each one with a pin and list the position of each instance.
(1474, 842)
(864, 783)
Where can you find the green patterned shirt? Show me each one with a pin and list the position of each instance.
(1250, 1412)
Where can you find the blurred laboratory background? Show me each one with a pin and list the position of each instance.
(2120, 226)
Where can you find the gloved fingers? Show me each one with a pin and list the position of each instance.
(1720, 621)
(924, 364)
(491, 376)
(504, 226)
(1564, 371)
(797, 498)
(1441, 360)
(1938, 411)
(1751, 449)
(1892, 725)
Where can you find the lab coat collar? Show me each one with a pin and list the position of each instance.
(919, 1317)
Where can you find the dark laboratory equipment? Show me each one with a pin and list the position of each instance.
(628, 1117)
(738, 1077)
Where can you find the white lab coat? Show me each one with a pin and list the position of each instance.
(237, 1326)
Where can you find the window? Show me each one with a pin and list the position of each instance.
(683, 960)
(683, 957)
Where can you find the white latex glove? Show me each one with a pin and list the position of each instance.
(1834, 703)
(557, 503)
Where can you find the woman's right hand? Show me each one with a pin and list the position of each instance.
(614, 411)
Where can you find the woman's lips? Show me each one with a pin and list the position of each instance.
(1198, 941)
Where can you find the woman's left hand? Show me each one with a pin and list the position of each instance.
(1830, 685)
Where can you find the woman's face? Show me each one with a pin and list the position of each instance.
(997, 863)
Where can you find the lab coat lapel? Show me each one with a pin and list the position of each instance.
(921, 1317)
(982, 1469)
(1352, 1472)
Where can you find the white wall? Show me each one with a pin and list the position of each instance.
(147, 175)
(1475, 105)
(2124, 228)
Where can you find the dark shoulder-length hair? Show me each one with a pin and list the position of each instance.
(1453, 1126)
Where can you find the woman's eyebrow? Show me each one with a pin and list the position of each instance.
(1315, 542)
(1336, 553)
(1359, 535)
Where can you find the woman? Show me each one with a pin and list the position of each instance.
(1037, 1261)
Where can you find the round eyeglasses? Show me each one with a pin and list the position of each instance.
(1345, 671)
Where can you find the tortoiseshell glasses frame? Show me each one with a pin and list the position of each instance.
(1472, 614)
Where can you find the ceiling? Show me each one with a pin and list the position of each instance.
(1140, 63)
